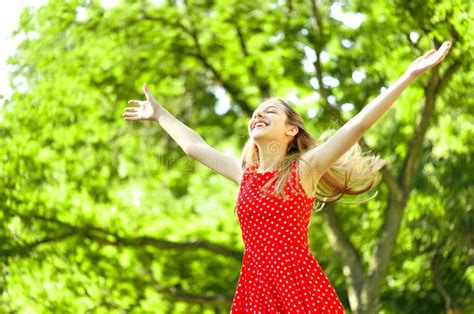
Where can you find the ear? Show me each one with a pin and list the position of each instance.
(292, 131)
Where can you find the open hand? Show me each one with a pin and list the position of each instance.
(428, 60)
(143, 109)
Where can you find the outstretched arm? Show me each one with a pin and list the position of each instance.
(190, 142)
(322, 157)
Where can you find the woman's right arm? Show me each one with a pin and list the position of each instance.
(191, 142)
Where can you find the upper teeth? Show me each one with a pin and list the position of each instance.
(260, 124)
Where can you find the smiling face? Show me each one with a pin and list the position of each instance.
(269, 121)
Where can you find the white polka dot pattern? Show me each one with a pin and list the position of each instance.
(279, 274)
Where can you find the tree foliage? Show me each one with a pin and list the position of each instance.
(102, 215)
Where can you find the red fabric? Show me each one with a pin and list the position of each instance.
(279, 274)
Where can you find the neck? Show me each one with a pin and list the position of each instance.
(270, 154)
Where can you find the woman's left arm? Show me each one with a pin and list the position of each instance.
(322, 157)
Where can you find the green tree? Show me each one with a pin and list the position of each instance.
(101, 215)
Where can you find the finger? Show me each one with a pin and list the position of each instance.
(146, 91)
(135, 102)
(131, 118)
(446, 45)
(129, 115)
(131, 109)
(444, 48)
(443, 51)
(440, 58)
(429, 53)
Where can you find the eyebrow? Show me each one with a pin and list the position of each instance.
(272, 106)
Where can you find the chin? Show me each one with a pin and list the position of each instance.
(261, 136)
(256, 134)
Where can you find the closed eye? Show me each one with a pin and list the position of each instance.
(269, 111)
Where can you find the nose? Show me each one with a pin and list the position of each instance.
(255, 117)
(258, 115)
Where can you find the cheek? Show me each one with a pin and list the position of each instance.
(279, 124)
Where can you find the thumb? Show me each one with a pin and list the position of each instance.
(429, 53)
(146, 91)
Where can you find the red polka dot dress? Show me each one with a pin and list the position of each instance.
(279, 274)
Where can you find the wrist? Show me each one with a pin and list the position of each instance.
(410, 76)
(158, 113)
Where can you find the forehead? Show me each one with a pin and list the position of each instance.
(267, 105)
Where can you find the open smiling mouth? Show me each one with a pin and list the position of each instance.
(260, 124)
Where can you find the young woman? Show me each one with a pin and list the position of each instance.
(281, 173)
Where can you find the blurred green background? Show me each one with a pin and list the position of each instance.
(100, 215)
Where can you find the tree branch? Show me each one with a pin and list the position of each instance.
(233, 91)
(378, 265)
(318, 44)
(449, 299)
(437, 280)
(163, 244)
(448, 74)
(318, 40)
(107, 237)
(380, 259)
(225, 84)
(435, 84)
(177, 293)
(386, 240)
(289, 12)
(356, 279)
(200, 56)
(28, 247)
(263, 87)
(353, 269)
(415, 146)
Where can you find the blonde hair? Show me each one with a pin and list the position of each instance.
(353, 173)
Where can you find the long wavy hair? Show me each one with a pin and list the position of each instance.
(353, 173)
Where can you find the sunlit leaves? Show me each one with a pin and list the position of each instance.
(71, 167)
